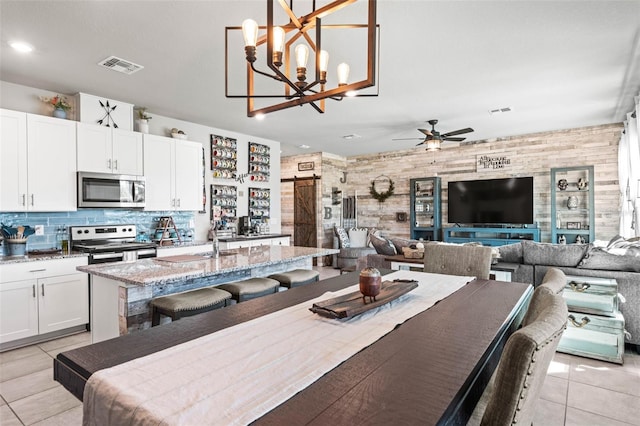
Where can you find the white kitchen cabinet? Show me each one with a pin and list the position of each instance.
(104, 149)
(42, 297)
(254, 242)
(38, 163)
(173, 170)
(281, 241)
(179, 250)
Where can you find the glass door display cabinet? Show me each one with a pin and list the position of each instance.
(426, 221)
(572, 205)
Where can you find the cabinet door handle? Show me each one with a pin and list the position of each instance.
(32, 199)
(42, 287)
(109, 164)
(33, 288)
(24, 199)
(38, 270)
(585, 321)
(579, 287)
(178, 202)
(115, 164)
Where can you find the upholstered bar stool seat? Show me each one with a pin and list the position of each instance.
(296, 278)
(250, 288)
(188, 303)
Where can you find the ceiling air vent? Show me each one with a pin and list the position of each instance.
(120, 65)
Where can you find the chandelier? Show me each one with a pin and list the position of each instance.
(293, 40)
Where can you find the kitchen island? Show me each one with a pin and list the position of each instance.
(121, 291)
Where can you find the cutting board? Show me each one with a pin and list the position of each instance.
(183, 258)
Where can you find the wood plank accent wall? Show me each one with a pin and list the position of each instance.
(529, 155)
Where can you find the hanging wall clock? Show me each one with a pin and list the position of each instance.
(107, 120)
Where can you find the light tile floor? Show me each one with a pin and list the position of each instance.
(577, 391)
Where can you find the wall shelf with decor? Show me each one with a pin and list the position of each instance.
(224, 197)
(425, 208)
(572, 205)
(224, 157)
(259, 159)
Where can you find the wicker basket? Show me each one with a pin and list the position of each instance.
(410, 253)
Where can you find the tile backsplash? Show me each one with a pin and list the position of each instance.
(144, 220)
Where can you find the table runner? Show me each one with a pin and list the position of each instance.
(238, 374)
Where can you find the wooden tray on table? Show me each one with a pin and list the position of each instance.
(355, 303)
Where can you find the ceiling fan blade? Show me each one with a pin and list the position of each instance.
(408, 139)
(458, 132)
(453, 139)
(420, 143)
(426, 132)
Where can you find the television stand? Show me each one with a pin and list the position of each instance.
(490, 236)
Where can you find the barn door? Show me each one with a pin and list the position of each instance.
(304, 213)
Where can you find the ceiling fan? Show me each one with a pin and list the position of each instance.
(434, 138)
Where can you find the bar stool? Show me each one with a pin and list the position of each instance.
(296, 277)
(188, 303)
(250, 288)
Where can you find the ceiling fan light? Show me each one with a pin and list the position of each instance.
(433, 145)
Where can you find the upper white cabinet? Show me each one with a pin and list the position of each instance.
(104, 149)
(37, 158)
(173, 169)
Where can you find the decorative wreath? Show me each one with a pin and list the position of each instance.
(381, 196)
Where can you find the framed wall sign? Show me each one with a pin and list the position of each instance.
(305, 166)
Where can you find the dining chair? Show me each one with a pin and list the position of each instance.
(553, 282)
(458, 260)
(515, 387)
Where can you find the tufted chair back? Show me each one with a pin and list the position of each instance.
(552, 283)
(523, 366)
(458, 260)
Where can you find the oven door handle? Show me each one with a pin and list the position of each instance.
(147, 252)
(101, 256)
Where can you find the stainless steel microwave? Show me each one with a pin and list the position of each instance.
(104, 190)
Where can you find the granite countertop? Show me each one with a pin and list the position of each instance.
(6, 260)
(252, 237)
(185, 244)
(162, 270)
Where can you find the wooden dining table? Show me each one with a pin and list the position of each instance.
(431, 369)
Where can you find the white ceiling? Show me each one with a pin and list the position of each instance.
(557, 64)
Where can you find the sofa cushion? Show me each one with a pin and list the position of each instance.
(383, 246)
(511, 253)
(400, 243)
(600, 258)
(343, 237)
(553, 254)
(358, 237)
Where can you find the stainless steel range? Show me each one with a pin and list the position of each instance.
(110, 243)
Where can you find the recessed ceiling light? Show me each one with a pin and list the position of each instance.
(351, 93)
(259, 117)
(304, 146)
(21, 46)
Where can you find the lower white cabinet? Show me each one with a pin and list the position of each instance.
(255, 242)
(179, 250)
(41, 297)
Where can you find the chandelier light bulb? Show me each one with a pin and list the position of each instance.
(302, 54)
(343, 74)
(250, 32)
(324, 60)
(278, 39)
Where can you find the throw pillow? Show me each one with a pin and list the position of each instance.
(383, 246)
(599, 258)
(343, 237)
(400, 243)
(358, 237)
(553, 254)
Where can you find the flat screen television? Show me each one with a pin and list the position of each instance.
(491, 201)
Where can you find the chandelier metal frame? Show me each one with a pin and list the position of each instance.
(297, 93)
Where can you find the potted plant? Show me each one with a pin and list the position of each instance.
(143, 120)
(59, 103)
